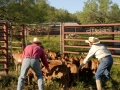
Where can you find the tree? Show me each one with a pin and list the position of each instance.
(97, 11)
(33, 11)
(114, 14)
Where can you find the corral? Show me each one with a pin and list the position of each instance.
(71, 40)
(71, 36)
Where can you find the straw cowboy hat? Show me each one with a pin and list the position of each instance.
(36, 40)
(93, 40)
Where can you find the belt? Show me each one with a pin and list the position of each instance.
(31, 57)
(103, 57)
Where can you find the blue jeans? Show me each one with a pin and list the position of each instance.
(35, 65)
(104, 67)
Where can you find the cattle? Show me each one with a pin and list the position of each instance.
(89, 69)
(85, 72)
(59, 72)
(94, 65)
(76, 61)
(65, 70)
(74, 73)
(73, 64)
(17, 58)
(31, 74)
(50, 54)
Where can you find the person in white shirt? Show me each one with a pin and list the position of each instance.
(103, 55)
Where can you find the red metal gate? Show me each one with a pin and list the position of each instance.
(6, 43)
(4, 46)
(74, 36)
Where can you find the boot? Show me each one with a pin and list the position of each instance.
(98, 84)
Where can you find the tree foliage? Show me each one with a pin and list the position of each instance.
(29, 11)
(99, 11)
(39, 11)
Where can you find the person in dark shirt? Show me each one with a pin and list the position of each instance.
(30, 59)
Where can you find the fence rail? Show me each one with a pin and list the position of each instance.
(74, 36)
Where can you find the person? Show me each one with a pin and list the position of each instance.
(30, 59)
(101, 52)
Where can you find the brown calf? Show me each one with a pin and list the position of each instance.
(59, 71)
(17, 57)
(94, 65)
(31, 74)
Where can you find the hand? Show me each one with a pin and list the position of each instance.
(81, 66)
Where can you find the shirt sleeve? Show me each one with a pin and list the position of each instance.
(89, 55)
(23, 55)
(43, 59)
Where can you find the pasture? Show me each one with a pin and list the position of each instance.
(53, 43)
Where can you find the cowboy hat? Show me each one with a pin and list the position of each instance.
(36, 40)
(93, 40)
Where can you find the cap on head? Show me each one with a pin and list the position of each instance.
(93, 40)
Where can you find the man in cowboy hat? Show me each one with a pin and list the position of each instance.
(30, 59)
(103, 55)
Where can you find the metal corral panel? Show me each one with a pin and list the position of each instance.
(74, 36)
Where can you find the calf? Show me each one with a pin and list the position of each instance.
(31, 74)
(74, 73)
(94, 65)
(17, 57)
(50, 55)
(59, 71)
(85, 72)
